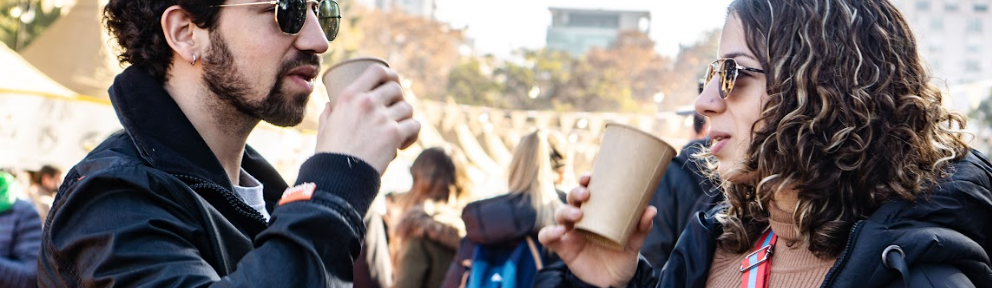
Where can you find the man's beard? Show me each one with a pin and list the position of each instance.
(224, 80)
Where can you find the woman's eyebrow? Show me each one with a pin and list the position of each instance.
(738, 54)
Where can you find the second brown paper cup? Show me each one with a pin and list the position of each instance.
(626, 172)
(343, 73)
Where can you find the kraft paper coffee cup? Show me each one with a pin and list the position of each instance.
(343, 73)
(625, 174)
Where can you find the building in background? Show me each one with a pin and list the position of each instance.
(577, 30)
(954, 37)
(422, 8)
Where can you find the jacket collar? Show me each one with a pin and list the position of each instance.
(939, 229)
(167, 140)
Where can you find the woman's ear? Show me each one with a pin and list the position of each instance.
(180, 32)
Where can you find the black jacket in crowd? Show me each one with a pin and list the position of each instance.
(945, 242)
(682, 191)
(153, 207)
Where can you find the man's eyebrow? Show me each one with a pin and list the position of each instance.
(738, 54)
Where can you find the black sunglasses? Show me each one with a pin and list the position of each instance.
(728, 69)
(290, 15)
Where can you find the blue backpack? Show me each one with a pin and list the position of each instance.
(504, 266)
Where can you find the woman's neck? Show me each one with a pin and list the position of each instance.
(780, 214)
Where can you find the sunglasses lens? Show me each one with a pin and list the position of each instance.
(709, 74)
(329, 15)
(291, 15)
(728, 75)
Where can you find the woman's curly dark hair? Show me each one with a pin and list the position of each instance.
(850, 123)
(136, 24)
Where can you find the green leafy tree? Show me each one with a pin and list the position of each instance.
(682, 82)
(17, 32)
(470, 82)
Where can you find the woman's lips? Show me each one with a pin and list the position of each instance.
(718, 143)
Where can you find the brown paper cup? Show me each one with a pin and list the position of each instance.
(344, 73)
(624, 177)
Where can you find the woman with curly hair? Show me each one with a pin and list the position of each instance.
(840, 166)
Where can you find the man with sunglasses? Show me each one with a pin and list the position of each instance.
(178, 198)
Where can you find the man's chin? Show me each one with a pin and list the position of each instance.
(289, 113)
(286, 120)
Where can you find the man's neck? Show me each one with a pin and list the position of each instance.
(222, 127)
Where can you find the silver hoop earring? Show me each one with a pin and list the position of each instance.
(194, 61)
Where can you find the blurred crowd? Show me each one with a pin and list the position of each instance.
(431, 235)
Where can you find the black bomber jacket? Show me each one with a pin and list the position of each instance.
(153, 207)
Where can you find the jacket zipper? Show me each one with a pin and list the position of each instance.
(843, 255)
(239, 205)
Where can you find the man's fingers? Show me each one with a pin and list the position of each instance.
(373, 76)
(409, 131)
(400, 111)
(328, 108)
(388, 93)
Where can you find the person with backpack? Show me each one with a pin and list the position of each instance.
(429, 230)
(500, 248)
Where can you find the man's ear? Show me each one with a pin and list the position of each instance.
(182, 34)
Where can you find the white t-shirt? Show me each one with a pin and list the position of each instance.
(251, 193)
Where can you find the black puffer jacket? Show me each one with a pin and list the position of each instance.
(153, 207)
(945, 242)
(502, 220)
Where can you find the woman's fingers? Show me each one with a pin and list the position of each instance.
(584, 179)
(578, 196)
(550, 236)
(647, 218)
(643, 227)
(567, 216)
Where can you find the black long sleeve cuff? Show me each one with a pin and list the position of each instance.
(344, 176)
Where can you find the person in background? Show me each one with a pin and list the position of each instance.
(528, 207)
(840, 165)
(44, 184)
(374, 265)
(429, 230)
(683, 190)
(559, 159)
(20, 237)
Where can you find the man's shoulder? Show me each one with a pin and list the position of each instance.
(115, 163)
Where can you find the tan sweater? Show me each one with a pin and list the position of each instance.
(791, 266)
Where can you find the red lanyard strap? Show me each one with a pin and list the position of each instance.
(757, 265)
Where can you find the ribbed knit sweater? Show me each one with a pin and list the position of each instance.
(791, 266)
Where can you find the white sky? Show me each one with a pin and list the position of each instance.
(501, 26)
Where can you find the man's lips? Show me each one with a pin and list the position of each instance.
(306, 72)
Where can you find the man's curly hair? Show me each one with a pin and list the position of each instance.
(136, 24)
(850, 123)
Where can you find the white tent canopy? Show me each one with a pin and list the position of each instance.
(17, 76)
(42, 122)
(76, 51)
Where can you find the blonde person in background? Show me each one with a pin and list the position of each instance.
(507, 220)
(428, 233)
